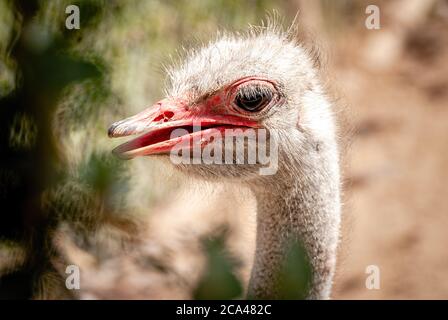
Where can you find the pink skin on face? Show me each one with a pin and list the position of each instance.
(215, 113)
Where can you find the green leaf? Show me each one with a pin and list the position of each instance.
(219, 282)
(296, 273)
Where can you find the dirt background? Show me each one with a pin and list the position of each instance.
(396, 168)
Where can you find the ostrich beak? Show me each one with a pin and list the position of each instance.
(157, 123)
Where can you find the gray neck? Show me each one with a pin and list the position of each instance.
(300, 203)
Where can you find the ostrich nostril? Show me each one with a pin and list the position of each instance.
(167, 115)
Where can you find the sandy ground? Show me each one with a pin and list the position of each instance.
(396, 207)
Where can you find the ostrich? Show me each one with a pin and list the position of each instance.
(267, 80)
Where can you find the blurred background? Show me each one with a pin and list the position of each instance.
(138, 231)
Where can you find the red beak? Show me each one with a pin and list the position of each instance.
(156, 124)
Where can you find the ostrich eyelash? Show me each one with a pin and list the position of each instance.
(251, 92)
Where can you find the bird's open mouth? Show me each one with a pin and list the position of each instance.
(163, 140)
(167, 125)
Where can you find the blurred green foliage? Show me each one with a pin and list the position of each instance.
(219, 282)
(296, 275)
(108, 177)
(31, 162)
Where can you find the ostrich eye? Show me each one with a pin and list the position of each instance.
(252, 101)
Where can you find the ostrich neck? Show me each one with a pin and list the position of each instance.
(304, 206)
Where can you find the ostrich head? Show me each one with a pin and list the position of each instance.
(267, 81)
(261, 81)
